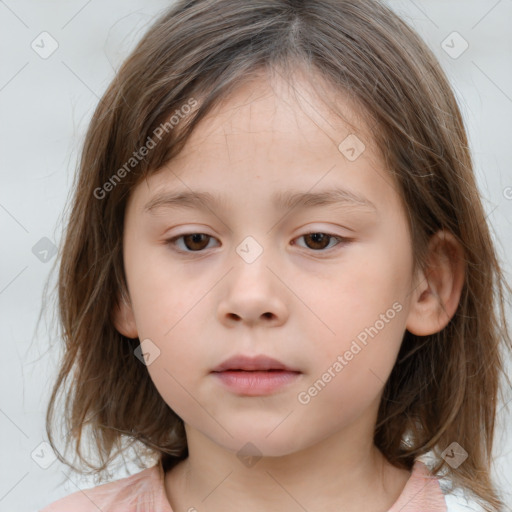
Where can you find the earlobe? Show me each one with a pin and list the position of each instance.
(123, 318)
(438, 289)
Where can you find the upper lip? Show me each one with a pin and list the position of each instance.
(248, 363)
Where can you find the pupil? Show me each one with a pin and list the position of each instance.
(318, 240)
(196, 241)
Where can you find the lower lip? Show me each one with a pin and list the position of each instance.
(256, 383)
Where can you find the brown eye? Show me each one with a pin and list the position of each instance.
(321, 241)
(317, 240)
(196, 241)
(192, 242)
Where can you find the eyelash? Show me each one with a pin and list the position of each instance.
(340, 241)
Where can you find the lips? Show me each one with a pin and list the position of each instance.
(253, 364)
(255, 376)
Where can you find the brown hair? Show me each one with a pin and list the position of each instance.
(443, 387)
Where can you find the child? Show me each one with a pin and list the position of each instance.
(334, 340)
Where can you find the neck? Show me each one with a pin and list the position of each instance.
(343, 472)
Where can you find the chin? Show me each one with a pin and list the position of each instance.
(257, 442)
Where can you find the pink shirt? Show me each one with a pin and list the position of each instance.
(145, 492)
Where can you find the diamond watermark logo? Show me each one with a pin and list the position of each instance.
(45, 45)
(351, 147)
(44, 250)
(249, 455)
(147, 352)
(43, 455)
(454, 45)
(249, 250)
(454, 455)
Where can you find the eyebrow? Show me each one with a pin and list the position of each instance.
(281, 200)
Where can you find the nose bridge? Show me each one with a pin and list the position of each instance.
(253, 292)
(251, 261)
(250, 250)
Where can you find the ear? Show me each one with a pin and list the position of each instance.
(123, 318)
(438, 288)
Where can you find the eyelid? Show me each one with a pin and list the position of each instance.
(341, 241)
(172, 242)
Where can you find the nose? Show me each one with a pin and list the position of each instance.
(254, 294)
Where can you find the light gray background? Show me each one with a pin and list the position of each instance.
(45, 105)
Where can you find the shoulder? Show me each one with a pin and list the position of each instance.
(424, 491)
(455, 499)
(458, 500)
(121, 495)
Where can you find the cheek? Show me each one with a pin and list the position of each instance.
(358, 361)
(354, 295)
(165, 294)
(345, 386)
(170, 313)
(361, 306)
(181, 365)
(177, 382)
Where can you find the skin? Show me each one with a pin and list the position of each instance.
(296, 303)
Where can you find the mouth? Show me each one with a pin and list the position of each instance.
(259, 363)
(254, 376)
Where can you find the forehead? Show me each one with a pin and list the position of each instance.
(273, 103)
(280, 132)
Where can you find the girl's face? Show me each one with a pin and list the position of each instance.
(323, 285)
